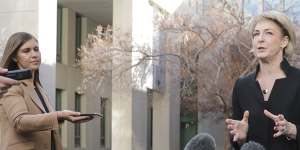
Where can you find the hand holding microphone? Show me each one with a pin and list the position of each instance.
(238, 128)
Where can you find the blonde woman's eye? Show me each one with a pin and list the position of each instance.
(255, 34)
(269, 33)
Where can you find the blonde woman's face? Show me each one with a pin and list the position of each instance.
(267, 40)
(29, 56)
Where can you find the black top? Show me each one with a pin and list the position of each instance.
(284, 99)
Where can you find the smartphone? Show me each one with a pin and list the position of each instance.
(91, 114)
(19, 74)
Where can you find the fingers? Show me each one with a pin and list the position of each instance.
(270, 115)
(246, 116)
(275, 118)
(235, 134)
(281, 117)
(236, 137)
(229, 121)
(80, 119)
(66, 114)
(231, 124)
(3, 70)
(238, 129)
(5, 82)
(71, 113)
(73, 116)
(280, 127)
(230, 127)
(281, 130)
(280, 123)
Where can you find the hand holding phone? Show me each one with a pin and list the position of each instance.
(19, 74)
(73, 116)
(91, 115)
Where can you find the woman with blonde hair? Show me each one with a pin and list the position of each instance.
(266, 103)
(27, 119)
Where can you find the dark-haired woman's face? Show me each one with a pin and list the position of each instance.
(29, 56)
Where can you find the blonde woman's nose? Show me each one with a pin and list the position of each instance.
(261, 37)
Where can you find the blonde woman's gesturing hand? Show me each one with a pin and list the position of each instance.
(238, 128)
(282, 126)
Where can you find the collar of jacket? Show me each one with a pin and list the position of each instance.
(27, 82)
(284, 65)
(29, 86)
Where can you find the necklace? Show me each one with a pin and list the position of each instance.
(265, 91)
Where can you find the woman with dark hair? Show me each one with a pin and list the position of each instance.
(27, 120)
(266, 103)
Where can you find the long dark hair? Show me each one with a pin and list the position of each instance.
(13, 44)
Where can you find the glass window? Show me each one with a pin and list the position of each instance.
(102, 121)
(292, 9)
(252, 8)
(150, 119)
(273, 5)
(77, 132)
(59, 35)
(58, 102)
(78, 37)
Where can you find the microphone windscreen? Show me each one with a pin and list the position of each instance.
(201, 141)
(251, 145)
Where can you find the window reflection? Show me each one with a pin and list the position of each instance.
(292, 9)
(273, 5)
(252, 8)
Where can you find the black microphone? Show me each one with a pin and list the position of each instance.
(251, 145)
(201, 141)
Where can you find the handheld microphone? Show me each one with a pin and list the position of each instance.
(201, 141)
(251, 145)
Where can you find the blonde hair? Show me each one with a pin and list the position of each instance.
(285, 24)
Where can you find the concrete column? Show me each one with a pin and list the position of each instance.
(122, 131)
(166, 102)
(38, 18)
(68, 36)
(129, 94)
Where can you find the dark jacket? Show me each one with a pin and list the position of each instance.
(284, 99)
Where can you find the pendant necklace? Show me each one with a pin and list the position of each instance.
(265, 91)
